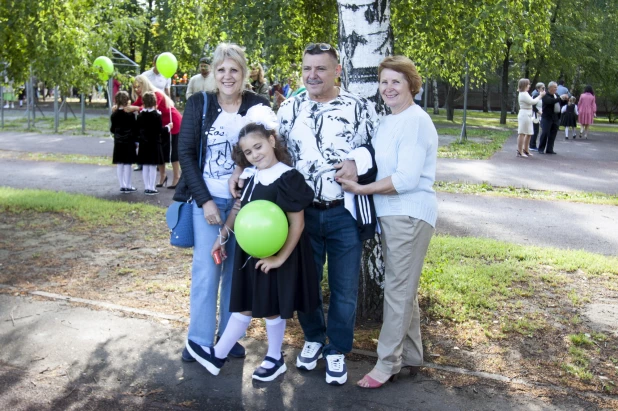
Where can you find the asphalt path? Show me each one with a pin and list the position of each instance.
(56, 356)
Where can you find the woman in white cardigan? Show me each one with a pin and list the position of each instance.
(406, 150)
(525, 127)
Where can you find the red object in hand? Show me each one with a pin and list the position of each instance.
(217, 257)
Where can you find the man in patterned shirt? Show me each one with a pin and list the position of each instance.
(321, 126)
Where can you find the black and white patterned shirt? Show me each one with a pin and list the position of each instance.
(320, 135)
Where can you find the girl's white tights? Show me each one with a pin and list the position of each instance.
(149, 174)
(123, 171)
(237, 326)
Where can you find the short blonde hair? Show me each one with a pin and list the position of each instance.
(405, 66)
(233, 52)
(523, 83)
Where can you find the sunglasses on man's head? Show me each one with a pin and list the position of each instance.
(321, 46)
(318, 48)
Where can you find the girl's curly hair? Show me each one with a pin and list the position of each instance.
(281, 150)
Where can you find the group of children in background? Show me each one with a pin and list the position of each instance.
(137, 140)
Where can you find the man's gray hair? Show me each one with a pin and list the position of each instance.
(552, 84)
(539, 85)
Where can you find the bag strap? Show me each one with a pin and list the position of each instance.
(202, 127)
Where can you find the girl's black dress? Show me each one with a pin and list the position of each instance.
(150, 132)
(569, 118)
(293, 286)
(123, 129)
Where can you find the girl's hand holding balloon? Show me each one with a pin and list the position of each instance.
(269, 263)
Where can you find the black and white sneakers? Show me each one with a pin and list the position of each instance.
(309, 356)
(336, 370)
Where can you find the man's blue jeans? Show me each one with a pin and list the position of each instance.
(206, 277)
(334, 234)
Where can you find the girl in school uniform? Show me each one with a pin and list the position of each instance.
(568, 119)
(274, 287)
(150, 132)
(123, 130)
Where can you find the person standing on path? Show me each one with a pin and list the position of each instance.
(321, 127)
(524, 117)
(550, 119)
(202, 81)
(406, 151)
(205, 153)
(169, 114)
(587, 110)
(537, 111)
(123, 130)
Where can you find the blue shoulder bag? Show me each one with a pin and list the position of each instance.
(179, 215)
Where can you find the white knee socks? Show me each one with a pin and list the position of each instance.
(276, 330)
(566, 132)
(149, 174)
(236, 327)
(123, 171)
(127, 175)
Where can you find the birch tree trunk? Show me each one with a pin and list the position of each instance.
(365, 38)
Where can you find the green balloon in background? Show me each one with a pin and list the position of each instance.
(261, 228)
(167, 64)
(105, 65)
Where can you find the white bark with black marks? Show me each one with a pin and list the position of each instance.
(365, 38)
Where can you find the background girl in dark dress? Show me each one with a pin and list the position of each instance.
(568, 119)
(123, 129)
(151, 131)
(276, 286)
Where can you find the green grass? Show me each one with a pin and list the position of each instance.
(463, 278)
(471, 149)
(470, 278)
(70, 158)
(93, 211)
(515, 192)
(580, 340)
(71, 125)
(492, 120)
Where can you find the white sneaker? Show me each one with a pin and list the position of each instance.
(336, 370)
(309, 356)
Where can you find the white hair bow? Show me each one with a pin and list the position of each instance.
(264, 115)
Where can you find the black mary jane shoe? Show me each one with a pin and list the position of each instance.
(207, 359)
(269, 374)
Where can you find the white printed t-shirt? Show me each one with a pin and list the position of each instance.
(320, 135)
(219, 165)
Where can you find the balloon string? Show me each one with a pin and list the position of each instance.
(229, 230)
(243, 266)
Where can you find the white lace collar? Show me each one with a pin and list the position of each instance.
(265, 177)
(148, 110)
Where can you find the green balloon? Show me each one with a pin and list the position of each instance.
(167, 64)
(105, 67)
(261, 228)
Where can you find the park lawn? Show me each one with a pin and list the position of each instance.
(487, 305)
(491, 120)
(96, 126)
(481, 143)
(524, 192)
